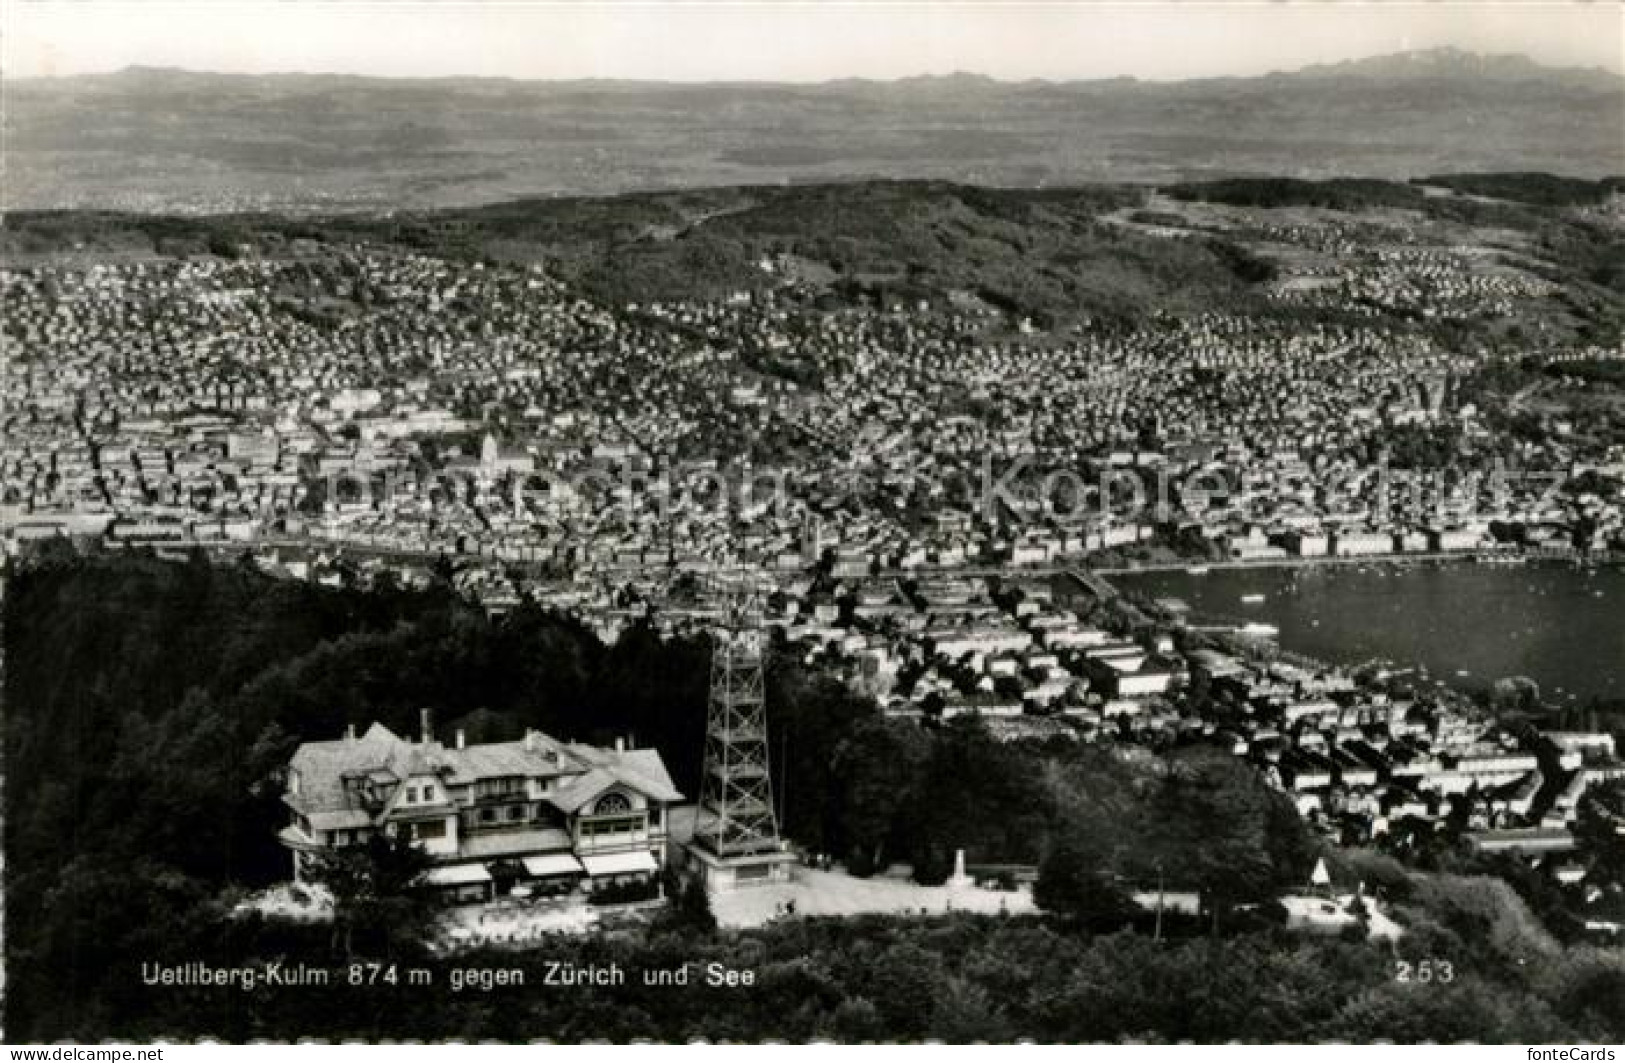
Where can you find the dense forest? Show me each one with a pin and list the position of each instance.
(1353, 193)
(150, 704)
(1543, 189)
(957, 977)
(1347, 194)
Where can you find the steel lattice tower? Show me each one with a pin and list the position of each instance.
(736, 816)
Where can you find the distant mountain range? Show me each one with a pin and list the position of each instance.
(1457, 64)
(161, 139)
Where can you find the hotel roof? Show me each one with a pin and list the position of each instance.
(384, 759)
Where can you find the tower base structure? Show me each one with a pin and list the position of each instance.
(722, 874)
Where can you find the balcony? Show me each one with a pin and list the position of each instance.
(600, 843)
(492, 797)
(501, 824)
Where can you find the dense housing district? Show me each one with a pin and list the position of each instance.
(359, 396)
(180, 404)
(935, 482)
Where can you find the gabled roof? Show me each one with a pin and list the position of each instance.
(379, 755)
(583, 788)
(345, 819)
(534, 755)
(382, 758)
(641, 769)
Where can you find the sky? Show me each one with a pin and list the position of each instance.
(784, 40)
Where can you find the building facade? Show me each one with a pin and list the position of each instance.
(537, 814)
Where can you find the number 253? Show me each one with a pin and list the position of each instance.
(1424, 971)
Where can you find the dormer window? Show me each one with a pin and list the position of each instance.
(612, 804)
(499, 787)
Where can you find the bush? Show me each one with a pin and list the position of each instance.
(625, 892)
(690, 908)
(932, 866)
(1072, 883)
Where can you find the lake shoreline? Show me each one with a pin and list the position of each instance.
(1492, 559)
(1464, 624)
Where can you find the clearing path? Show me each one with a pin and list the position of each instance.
(817, 892)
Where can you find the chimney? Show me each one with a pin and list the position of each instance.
(349, 732)
(426, 725)
(620, 744)
(462, 738)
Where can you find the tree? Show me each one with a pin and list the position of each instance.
(443, 569)
(877, 765)
(1587, 987)
(809, 715)
(1226, 832)
(965, 1013)
(903, 981)
(1598, 831)
(856, 1020)
(1467, 1009)
(690, 908)
(1515, 694)
(1073, 882)
(373, 886)
(978, 794)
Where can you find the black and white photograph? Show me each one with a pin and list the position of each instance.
(812, 522)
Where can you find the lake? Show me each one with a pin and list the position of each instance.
(1467, 624)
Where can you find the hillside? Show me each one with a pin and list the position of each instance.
(1035, 252)
(1054, 255)
(173, 140)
